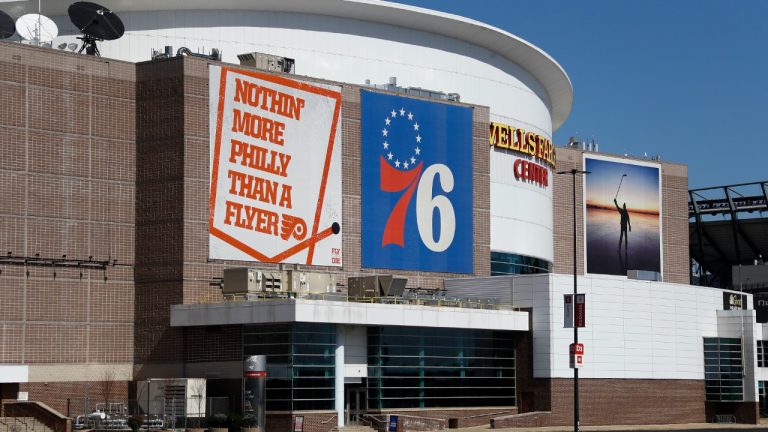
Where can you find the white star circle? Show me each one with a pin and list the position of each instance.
(390, 122)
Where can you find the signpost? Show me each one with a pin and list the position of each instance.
(577, 355)
(392, 424)
(573, 173)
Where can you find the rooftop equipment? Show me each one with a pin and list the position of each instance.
(268, 62)
(96, 23)
(37, 29)
(7, 27)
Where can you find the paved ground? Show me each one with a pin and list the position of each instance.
(692, 427)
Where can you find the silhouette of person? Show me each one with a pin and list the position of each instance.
(624, 223)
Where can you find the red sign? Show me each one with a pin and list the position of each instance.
(255, 374)
(581, 310)
(577, 355)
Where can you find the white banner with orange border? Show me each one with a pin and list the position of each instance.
(275, 155)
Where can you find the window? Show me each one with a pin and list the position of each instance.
(300, 364)
(723, 370)
(511, 264)
(427, 367)
(762, 360)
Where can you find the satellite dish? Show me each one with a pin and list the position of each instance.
(7, 27)
(96, 23)
(72, 46)
(36, 28)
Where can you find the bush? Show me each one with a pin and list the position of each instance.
(249, 421)
(134, 423)
(234, 420)
(217, 421)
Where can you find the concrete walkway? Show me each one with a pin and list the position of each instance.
(763, 426)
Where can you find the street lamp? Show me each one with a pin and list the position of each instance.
(149, 383)
(573, 173)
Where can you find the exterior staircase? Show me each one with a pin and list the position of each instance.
(22, 424)
(350, 428)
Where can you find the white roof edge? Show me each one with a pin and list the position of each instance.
(543, 67)
(531, 58)
(349, 313)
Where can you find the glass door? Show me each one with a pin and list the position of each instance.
(357, 404)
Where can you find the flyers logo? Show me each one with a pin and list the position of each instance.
(417, 191)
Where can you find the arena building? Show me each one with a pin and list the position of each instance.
(394, 247)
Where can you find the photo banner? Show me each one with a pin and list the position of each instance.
(622, 224)
(275, 190)
(417, 200)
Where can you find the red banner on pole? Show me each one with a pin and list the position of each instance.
(581, 310)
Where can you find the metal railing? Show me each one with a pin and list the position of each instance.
(417, 300)
(153, 415)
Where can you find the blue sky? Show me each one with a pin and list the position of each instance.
(684, 79)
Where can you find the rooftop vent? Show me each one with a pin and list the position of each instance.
(268, 62)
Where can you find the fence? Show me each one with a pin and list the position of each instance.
(152, 414)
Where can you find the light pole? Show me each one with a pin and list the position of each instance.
(573, 173)
(149, 382)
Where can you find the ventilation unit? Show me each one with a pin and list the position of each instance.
(268, 62)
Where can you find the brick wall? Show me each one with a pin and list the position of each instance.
(67, 172)
(463, 417)
(674, 218)
(159, 208)
(618, 402)
(533, 394)
(75, 398)
(318, 421)
(742, 412)
(631, 401)
(674, 186)
(563, 213)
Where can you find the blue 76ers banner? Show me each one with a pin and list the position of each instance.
(416, 184)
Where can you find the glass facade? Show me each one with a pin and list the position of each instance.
(413, 367)
(761, 392)
(511, 264)
(723, 369)
(300, 364)
(408, 367)
(762, 360)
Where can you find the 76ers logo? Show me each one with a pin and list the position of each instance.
(412, 156)
(396, 177)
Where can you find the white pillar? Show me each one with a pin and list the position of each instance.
(339, 358)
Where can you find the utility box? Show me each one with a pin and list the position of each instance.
(376, 286)
(244, 280)
(180, 397)
(267, 62)
(363, 286)
(241, 280)
(309, 283)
